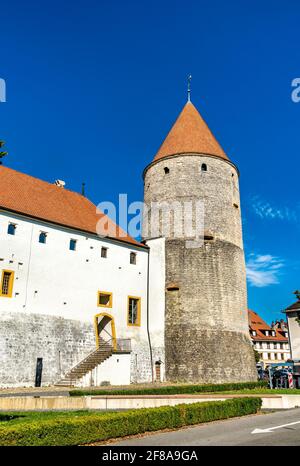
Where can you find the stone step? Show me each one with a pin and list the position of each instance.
(86, 365)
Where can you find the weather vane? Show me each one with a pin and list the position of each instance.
(189, 87)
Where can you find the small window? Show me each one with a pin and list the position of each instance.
(134, 311)
(133, 258)
(11, 230)
(173, 288)
(73, 244)
(254, 333)
(269, 356)
(208, 237)
(104, 252)
(7, 280)
(273, 333)
(167, 170)
(267, 333)
(42, 237)
(204, 167)
(104, 299)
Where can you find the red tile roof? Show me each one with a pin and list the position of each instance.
(190, 134)
(24, 194)
(259, 325)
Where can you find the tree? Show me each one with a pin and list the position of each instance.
(2, 153)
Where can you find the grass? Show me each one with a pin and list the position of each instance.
(17, 417)
(81, 427)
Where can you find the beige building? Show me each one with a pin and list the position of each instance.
(271, 342)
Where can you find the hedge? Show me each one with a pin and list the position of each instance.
(95, 427)
(174, 389)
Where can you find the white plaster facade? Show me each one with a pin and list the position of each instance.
(293, 317)
(52, 280)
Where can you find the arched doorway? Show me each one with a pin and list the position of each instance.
(105, 329)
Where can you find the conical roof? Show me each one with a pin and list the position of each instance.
(190, 134)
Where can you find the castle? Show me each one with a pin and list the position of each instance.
(79, 306)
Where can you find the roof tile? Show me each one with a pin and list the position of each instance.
(190, 134)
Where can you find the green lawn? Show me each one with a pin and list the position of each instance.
(15, 417)
(81, 427)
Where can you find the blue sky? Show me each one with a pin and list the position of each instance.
(94, 86)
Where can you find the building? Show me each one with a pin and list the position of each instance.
(206, 325)
(271, 342)
(83, 303)
(293, 317)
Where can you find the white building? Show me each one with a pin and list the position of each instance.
(83, 303)
(293, 318)
(271, 342)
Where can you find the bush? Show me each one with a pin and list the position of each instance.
(92, 427)
(174, 389)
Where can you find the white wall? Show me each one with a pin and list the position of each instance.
(294, 334)
(157, 280)
(51, 279)
(115, 370)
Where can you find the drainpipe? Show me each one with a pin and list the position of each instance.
(148, 331)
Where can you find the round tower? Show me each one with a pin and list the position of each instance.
(206, 319)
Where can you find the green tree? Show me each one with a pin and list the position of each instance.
(256, 355)
(2, 153)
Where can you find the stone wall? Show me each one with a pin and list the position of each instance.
(206, 323)
(62, 343)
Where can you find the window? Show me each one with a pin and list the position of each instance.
(254, 333)
(267, 333)
(273, 333)
(104, 299)
(104, 252)
(167, 170)
(208, 237)
(268, 345)
(73, 243)
(42, 237)
(269, 356)
(204, 167)
(11, 230)
(134, 311)
(7, 280)
(133, 258)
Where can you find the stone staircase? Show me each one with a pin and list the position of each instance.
(95, 358)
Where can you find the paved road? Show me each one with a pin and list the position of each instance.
(231, 432)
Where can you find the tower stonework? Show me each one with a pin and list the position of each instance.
(206, 322)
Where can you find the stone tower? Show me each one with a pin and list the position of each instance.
(206, 322)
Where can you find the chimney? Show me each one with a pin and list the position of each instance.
(60, 183)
